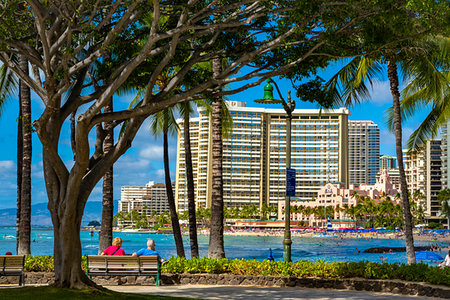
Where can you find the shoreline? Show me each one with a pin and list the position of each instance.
(441, 237)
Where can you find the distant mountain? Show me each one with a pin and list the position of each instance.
(40, 216)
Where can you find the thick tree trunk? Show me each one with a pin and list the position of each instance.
(216, 243)
(67, 253)
(409, 239)
(170, 198)
(190, 188)
(106, 233)
(19, 168)
(25, 201)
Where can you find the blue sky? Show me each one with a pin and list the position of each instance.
(143, 162)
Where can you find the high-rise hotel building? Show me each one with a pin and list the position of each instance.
(423, 173)
(364, 151)
(254, 155)
(445, 155)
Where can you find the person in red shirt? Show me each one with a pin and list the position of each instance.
(115, 248)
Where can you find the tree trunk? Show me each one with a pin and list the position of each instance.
(106, 233)
(409, 239)
(25, 201)
(67, 252)
(216, 243)
(170, 198)
(190, 187)
(19, 167)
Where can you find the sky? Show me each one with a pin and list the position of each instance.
(143, 162)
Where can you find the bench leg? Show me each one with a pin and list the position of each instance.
(157, 279)
(22, 280)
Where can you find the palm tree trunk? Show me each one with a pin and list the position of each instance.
(170, 198)
(105, 238)
(19, 168)
(216, 243)
(190, 187)
(25, 202)
(409, 239)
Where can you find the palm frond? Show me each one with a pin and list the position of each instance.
(349, 84)
(8, 85)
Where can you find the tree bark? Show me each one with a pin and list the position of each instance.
(409, 239)
(216, 247)
(67, 252)
(106, 233)
(19, 167)
(171, 199)
(24, 247)
(190, 187)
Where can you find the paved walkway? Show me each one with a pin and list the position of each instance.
(215, 292)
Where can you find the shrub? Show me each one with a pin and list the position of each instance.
(39, 264)
(320, 269)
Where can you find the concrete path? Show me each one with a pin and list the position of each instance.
(215, 292)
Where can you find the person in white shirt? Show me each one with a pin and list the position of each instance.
(446, 262)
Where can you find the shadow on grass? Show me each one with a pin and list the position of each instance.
(49, 293)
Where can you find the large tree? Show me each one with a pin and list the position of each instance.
(65, 42)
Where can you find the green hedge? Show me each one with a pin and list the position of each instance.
(363, 269)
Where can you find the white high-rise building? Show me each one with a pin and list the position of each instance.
(423, 173)
(254, 155)
(364, 151)
(445, 155)
(145, 199)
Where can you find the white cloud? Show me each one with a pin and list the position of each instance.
(154, 153)
(7, 164)
(381, 93)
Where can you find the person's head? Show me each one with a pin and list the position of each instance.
(151, 244)
(117, 242)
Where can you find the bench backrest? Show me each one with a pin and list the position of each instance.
(12, 263)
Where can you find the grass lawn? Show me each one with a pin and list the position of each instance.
(48, 293)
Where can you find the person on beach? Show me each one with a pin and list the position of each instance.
(115, 248)
(446, 262)
(149, 251)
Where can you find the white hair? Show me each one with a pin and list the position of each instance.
(150, 243)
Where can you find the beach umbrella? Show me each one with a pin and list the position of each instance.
(429, 255)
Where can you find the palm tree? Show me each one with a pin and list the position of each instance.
(216, 244)
(106, 237)
(24, 246)
(353, 77)
(164, 122)
(444, 199)
(185, 109)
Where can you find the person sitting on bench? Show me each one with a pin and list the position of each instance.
(149, 251)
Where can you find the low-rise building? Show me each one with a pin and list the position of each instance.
(337, 195)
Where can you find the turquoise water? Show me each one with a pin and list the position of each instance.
(247, 247)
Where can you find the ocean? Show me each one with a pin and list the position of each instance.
(246, 247)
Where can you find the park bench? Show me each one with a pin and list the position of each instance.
(103, 265)
(13, 265)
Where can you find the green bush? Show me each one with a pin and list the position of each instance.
(319, 269)
(39, 264)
